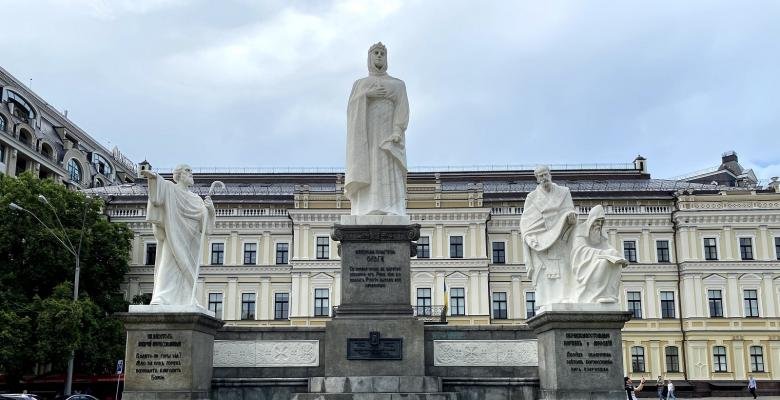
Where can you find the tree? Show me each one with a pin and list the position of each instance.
(39, 321)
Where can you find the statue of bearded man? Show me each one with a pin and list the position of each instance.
(546, 224)
(377, 116)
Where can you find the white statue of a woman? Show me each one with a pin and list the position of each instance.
(179, 218)
(377, 116)
(595, 263)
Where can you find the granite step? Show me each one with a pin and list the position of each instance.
(376, 396)
(375, 384)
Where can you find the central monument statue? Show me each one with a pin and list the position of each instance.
(377, 116)
(546, 224)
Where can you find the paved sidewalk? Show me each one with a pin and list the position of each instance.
(740, 397)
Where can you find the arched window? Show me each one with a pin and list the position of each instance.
(74, 170)
(25, 136)
(99, 182)
(3, 123)
(637, 359)
(46, 150)
(22, 109)
(101, 164)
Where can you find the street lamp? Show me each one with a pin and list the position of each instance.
(76, 251)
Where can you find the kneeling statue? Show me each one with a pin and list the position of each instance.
(595, 263)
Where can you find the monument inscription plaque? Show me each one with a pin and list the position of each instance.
(375, 348)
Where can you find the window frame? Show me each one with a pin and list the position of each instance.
(630, 302)
(755, 299)
(255, 251)
(73, 167)
(426, 308)
(424, 249)
(637, 358)
(284, 253)
(777, 247)
(529, 313)
(672, 360)
(717, 300)
(212, 252)
(627, 251)
(285, 312)
(147, 246)
(461, 244)
(321, 304)
(757, 363)
(715, 246)
(458, 303)
(221, 303)
(720, 361)
(503, 313)
(745, 249)
(658, 249)
(322, 250)
(248, 307)
(501, 252)
(664, 304)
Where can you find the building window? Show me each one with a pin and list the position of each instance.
(719, 359)
(217, 253)
(74, 170)
(751, 303)
(746, 248)
(629, 250)
(499, 305)
(424, 247)
(281, 305)
(215, 304)
(662, 251)
(716, 303)
(151, 253)
(710, 249)
(323, 248)
(424, 302)
(282, 253)
(756, 359)
(637, 359)
(667, 304)
(250, 253)
(456, 246)
(321, 302)
(3, 123)
(247, 306)
(458, 301)
(499, 253)
(635, 304)
(101, 164)
(672, 359)
(530, 304)
(777, 248)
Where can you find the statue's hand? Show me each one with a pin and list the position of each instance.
(396, 138)
(571, 218)
(208, 202)
(148, 174)
(377, 91)
(532, 241)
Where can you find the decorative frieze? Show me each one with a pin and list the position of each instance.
(266, 353)
(485, 353)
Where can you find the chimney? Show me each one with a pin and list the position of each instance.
(640, 163)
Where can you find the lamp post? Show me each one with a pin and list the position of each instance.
(76, 251)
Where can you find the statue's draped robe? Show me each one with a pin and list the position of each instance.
(177, 218)
(598, 279)
(375, 182)
(544, 217)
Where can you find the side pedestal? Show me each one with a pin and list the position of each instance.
(580, 354)
(168, 355)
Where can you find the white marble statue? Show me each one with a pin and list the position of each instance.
(595, 263)
(377, 116)
(546, 224)
(180, 220)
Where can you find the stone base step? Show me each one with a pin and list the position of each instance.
(376, 396)
(375, 384)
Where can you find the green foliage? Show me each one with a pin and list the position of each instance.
(39, 321)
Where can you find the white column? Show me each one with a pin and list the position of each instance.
(774, 355)
(656, 367)
(768, 298)
(739, 359)
(297, 243)
(646, 254)
(727, 243)
(473, 295)
(762, 244)
(438, 289)
(267, 251)
(481, 241)
(696, 245)
(698, 291)
(516, 250)
(683, 245)
(690, 305)
(441, 242)
(484, 295)
(651, 305)
(233, 250)
(306, 248)
(295, 295)
(471, 238)
(265, 298)
(734, 297)
(232, 300)
(307, 307)
(518, 300)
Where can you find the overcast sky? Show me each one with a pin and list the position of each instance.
(264, 83)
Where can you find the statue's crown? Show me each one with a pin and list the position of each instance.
(377, 45)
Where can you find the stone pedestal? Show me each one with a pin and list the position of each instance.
(168, 355)
(580, 354)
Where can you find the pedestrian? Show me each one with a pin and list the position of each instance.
(752, 386)
(659, 387)
(670, 395)
(631, 391)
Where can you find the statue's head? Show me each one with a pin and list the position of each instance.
(377, 59)
(182, 174)
(543, 177)
(595, 223)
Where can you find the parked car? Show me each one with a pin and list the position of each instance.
(82, 397)
(18, 396)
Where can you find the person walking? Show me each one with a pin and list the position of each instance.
(670, 395)
(659, 387)
(752, 386)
